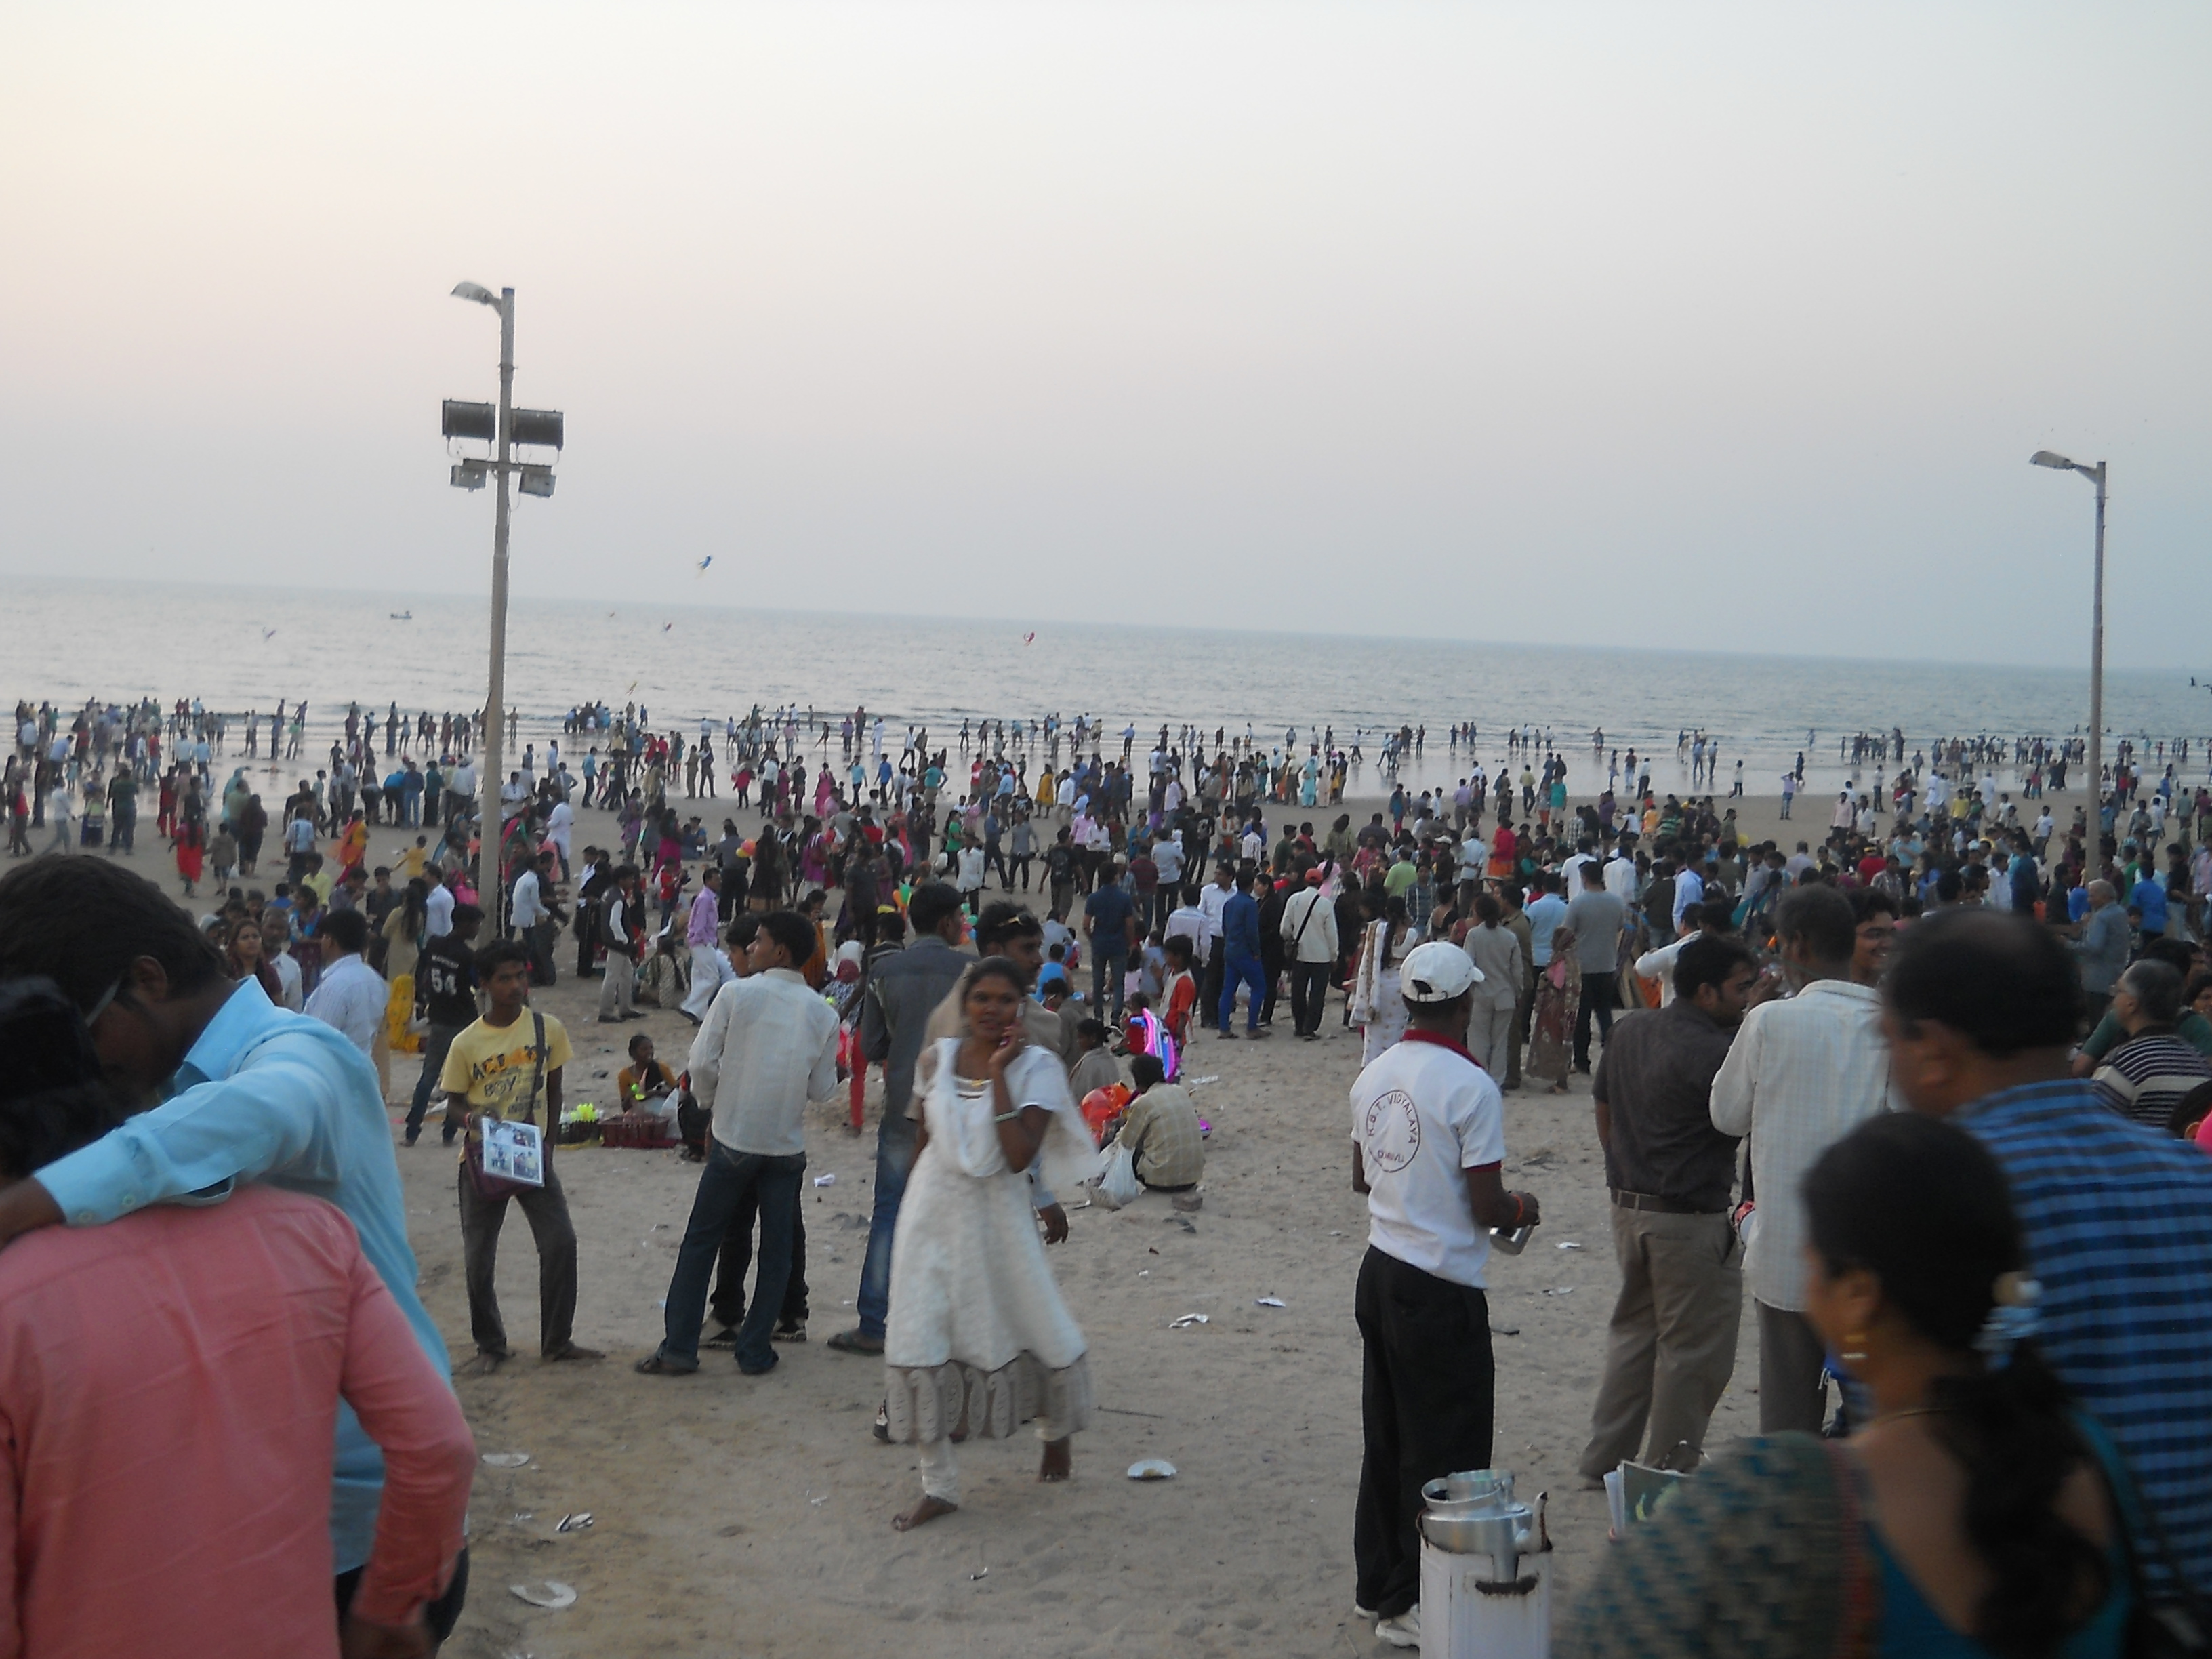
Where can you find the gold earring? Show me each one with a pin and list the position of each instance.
(1855, 1349)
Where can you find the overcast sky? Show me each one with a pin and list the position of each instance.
(1687, 324)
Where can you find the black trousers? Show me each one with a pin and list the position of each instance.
(1309, 993)
(735, 1261)
(1601, 996)
(1427, 1393)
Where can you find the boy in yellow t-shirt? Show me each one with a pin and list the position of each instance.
(412, 860)
(498, 1069)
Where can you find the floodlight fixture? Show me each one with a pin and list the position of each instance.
(541, 427)
(535, 480)
(471, 475)
(462, 420)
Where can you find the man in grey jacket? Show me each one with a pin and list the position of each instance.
(902, 992)
(2102, 948)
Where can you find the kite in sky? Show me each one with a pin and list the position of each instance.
(1029, 639)
(704, 562)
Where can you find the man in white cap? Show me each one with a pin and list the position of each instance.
(1428, 1145)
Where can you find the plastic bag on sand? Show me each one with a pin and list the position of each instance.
(1119, 1186)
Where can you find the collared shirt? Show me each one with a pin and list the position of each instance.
(2117, 1219)
(352, 997)
(1161, 1127)
(529, 902)
(769, 1045)
(1240, 926)
(1213, 899)
(1311, 936)
(699, 931)
(271, 1095)
(903, 991)
(1655, 1077)
(1803, 1073)
(1689, 890)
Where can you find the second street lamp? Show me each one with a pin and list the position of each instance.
(2095, 475)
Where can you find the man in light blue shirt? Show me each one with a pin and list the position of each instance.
(249, 1091)
(1545, 913)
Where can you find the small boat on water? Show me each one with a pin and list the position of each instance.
(403, 615)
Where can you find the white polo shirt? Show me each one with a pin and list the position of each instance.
(1423, 1113)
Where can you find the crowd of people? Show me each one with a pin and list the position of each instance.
(1936, 1085)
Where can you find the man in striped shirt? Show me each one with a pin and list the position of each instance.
(2156, 1068)
(1980, 1010)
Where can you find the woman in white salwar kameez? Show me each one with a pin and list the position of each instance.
(979, 1341)
(1377, 1004)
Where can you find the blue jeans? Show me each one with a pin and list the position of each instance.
(1107, 972)
(1248, 972)
(895, 1145)
(726, 1182)
(435, 1041)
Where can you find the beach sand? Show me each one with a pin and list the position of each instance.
(738, 1515)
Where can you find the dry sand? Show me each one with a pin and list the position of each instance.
(738, 1515)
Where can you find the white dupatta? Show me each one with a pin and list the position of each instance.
(1066, 1158)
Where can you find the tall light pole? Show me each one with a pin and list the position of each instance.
(2095, 475)
(505, 427)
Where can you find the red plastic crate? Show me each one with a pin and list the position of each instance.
(636, 1134)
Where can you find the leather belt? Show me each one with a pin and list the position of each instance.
(1663, 1206)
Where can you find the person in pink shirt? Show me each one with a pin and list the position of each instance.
(169, 1389)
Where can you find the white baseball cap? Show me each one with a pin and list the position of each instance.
(1437, 972)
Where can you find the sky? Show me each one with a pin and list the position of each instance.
(1696, 326)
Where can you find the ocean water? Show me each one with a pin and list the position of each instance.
(238, 649)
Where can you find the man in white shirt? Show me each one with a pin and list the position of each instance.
(1187, 921)
(769, 1047)
(1571, 881)
(535, 918)
(1212, 900)
(559, 826)
(461, 791)
(1309, 931)
(1803, 1072)
(59, 805)
(1621, 870)
(438, 906)
(1470, 857)
(1689, 890)
(351, 996)
(1428, 1145)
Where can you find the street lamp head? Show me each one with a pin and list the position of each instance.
(2041, 457)
(476, 291)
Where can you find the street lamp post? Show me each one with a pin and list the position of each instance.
(505, 427)
(2095, 475)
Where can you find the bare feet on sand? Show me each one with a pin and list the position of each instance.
(922, 1513)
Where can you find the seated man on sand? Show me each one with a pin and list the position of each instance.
(1160, 1127)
